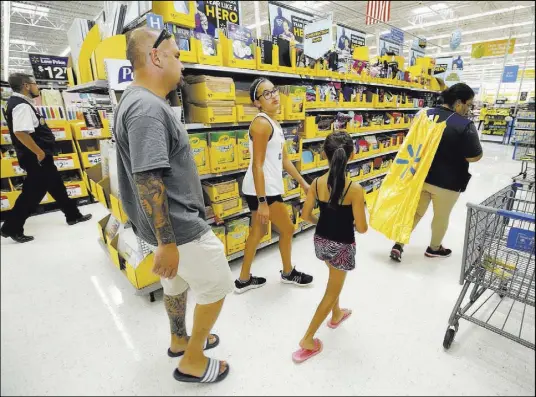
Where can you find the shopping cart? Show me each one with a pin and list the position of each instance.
(524, 152)
(498, 267)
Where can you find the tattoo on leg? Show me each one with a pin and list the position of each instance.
(176, 310)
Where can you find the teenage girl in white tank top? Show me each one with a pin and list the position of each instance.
(263, 187)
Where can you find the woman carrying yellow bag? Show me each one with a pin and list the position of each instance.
(448, 175)
(432, 166)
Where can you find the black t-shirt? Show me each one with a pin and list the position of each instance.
(450, 169)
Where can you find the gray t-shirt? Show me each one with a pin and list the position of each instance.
(150, 136)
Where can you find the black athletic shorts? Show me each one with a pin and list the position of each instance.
(253, 201)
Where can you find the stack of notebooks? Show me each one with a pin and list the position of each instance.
(242, 98)
(201, 89)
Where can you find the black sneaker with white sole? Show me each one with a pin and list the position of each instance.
(252, 283)
(442, 252)
(297, 278)
(396, 253)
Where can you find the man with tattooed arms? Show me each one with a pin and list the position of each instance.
(162, 196)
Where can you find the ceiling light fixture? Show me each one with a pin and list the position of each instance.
(464, 18)
(22, 42)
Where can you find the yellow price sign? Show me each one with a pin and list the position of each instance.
(493, 48)
(527, 74)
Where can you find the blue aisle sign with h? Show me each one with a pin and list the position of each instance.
(395, 35)
(155, 21)
(510, 74)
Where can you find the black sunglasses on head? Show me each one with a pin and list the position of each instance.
(164, 35)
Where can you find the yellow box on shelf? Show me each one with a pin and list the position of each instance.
(272, 67)
(116, 207)
(7, 168)
(284, 69)
(294, 106)
(222, 190)
(241, 114)
(5, 138)
(89, 159)
(176, 13)
(237, 232)
(81, 132)
(7, 199)
(114, 47)
(207, 116)
(99, 186)
(200, 152)
(230, 60)
(201, 92)
(227, 208)
(142, 275)
(76, 189)
(244, 156)
(219, 231)
(61, 129)
(307, 162)
(205, 59)
(291, 186)
(223, 151)
(321, 161)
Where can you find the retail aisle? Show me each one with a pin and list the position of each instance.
(71, 324)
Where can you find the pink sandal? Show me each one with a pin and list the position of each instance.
(347, 313)
(301, 355)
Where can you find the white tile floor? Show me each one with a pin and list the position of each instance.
(72, 325)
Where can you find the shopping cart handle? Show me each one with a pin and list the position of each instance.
(520, 216)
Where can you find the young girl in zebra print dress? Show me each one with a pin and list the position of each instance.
(342, 208)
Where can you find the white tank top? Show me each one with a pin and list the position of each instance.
(273, 163)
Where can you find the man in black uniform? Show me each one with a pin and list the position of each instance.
(34, 143)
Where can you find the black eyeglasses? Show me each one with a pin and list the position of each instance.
(269, 94)
(164, 35)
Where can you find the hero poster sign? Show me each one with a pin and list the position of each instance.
(213, 14)
(49, 67)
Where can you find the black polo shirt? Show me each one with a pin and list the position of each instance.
(450, 169)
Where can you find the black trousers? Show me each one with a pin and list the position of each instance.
(480, 124)
(40, 178)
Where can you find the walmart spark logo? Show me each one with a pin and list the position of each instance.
(412, 162)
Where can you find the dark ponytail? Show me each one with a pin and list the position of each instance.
(338, 148)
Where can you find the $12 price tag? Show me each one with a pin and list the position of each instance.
(64, 162)
(74, 191)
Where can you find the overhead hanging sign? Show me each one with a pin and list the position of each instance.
(211, 14)
(286, 22)
(119, 73)
(348, 38)
(455, 39)
(527, 74)
(510, 74)
(493, 48)
(318, 37)
(386, 46)
(48, 67)
(455, 73)
(395, 35)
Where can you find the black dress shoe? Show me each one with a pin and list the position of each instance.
(19, 238)
(82, 218)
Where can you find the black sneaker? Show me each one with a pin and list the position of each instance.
(396, 253)
(298, 278)
(442, 252)
(81, 218)
(19, 238)
(252, 283)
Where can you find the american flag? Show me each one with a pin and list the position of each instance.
(378, 11)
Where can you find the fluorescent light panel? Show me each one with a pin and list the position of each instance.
(22, 42)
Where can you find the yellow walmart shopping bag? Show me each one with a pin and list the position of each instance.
(395, 205)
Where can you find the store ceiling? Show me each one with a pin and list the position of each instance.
(40, 26)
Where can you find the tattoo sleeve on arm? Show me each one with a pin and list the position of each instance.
(154, 201)
(176, 311)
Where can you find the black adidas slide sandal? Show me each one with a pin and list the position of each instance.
(208, 346)
(211, 375)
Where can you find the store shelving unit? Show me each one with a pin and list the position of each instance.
(495, 126)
